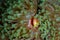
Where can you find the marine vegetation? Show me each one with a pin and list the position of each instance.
(29, 19)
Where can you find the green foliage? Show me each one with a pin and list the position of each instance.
(13, 20)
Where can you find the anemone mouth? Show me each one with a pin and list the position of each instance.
(35, 22)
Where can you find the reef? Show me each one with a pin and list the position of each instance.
(15, 15)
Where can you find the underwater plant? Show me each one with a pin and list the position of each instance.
(29, 20)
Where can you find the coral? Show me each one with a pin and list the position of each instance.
(15, 15)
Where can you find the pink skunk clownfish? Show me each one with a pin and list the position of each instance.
(33, 23)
